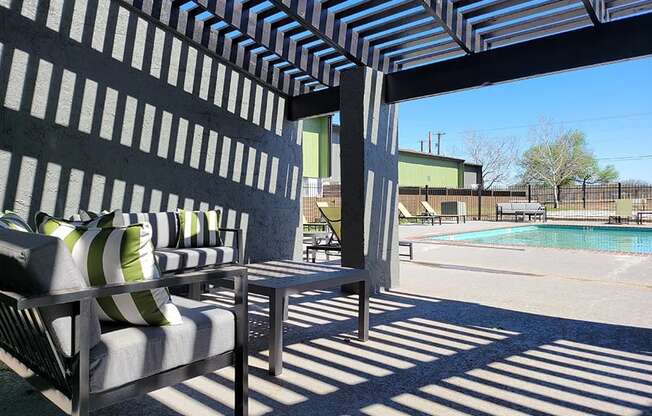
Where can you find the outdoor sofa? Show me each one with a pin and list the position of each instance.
(51, 334)
(530, 209)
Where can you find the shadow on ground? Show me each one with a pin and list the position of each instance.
(425, 356)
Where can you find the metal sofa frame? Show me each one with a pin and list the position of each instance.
(27, 347)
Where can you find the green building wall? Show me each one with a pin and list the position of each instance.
(415, 170)
(316, 147)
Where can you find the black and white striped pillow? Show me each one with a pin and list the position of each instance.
(165, 226)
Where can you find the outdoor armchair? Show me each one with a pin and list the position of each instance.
(624, 211)
(51, 336)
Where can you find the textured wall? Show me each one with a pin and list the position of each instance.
(101, 108)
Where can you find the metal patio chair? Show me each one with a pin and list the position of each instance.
(51, 336)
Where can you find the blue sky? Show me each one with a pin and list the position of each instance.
(612, 104)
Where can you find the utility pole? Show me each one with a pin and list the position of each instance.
(430, 142)
(439, 134)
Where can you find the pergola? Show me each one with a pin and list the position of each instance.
(360, 57)
(300, 46)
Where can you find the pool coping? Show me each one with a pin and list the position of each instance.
(427, 239)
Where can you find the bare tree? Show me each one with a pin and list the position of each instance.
(557, 157)
(496, 155)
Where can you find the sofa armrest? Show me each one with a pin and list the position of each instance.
(238, 241)
(19, 301)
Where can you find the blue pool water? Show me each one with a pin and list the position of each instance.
(630, 240)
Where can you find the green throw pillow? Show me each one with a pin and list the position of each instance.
(199, 228)
(117, 255)
(109, 219)
(11, 220)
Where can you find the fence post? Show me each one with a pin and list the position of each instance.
(480, 202)
(584, 194)
(529, 192)
(426, 193)
(620, 190)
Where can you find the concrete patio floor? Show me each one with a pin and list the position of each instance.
(471, 331)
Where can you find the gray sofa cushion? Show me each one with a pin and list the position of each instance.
(34, 264)
(126, 354)
(179, 259)
(165, 226)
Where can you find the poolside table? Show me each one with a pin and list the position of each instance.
(279, 279)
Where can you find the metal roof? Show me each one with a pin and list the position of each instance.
(298, 46)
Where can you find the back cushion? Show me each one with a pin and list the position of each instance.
(35, 264)
(116, 255)
(165, 226)
(199, 228)
(532, 206)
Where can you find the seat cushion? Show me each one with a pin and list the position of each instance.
(178, 259)
(170, 259)
(126, 354)
(165, 226)
(34, 264)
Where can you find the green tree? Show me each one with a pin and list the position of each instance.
(560, 157)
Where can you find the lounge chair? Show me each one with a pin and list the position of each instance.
(624, 209)
(406, 215)
(431, 212)
(313, 226)
(333, 217)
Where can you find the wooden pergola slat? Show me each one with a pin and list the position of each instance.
(296, 46)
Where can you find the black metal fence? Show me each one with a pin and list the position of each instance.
(573, 202)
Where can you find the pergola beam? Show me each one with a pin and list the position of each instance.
(610, 42)
(594, 45)
(446, 14)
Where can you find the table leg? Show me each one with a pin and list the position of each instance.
(286, 305)
(363, 310)
(276, 333)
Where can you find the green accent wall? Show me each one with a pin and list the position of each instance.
(316, 147)
(414, 170)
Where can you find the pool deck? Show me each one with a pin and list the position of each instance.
(470, 331)
(549, 278)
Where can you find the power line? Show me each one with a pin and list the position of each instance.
(625, 158)
(602, 118)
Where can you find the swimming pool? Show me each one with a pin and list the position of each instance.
(628, 240)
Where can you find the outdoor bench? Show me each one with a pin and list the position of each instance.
(521, 209)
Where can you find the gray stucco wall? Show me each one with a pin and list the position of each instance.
(100, 108)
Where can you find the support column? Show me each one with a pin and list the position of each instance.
(369, 171)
